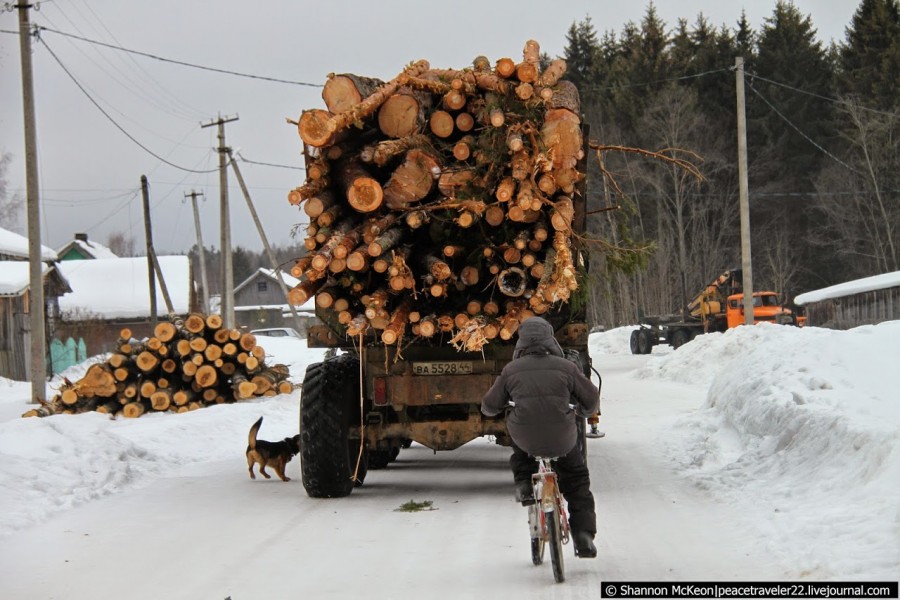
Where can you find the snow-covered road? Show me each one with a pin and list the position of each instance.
(210, 532)
(781, 465)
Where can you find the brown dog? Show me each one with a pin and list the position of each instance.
(270, 454)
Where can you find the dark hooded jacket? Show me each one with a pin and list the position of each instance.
(541, 383)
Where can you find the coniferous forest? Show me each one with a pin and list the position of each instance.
(823, 136)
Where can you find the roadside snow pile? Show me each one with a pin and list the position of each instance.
(802, 425)
(698, 361)
(614, 341)
(54, 463)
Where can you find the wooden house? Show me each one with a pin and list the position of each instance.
(853, 303)
(260, 303)
(110, 294)
(15, 300)
(81, 248)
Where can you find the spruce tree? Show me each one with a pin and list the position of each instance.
(867, 60)
(788, 124)
(580, 54)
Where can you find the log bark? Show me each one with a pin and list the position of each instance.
(403, 114)
(562, 214)
(363, 192)
(242, 387)
(319, 203)
(344, 91)
(304, 291)
(320, 128)
(397, 326)
(385, 241)
(561, 134)
(413, 180)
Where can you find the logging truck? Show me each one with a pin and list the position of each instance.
(443, 208)
(718, 307)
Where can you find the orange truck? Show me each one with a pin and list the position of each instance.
(718, 307)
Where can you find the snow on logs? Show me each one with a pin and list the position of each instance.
(187, 364)
(441, 201)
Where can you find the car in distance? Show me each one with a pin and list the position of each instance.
(279, 332)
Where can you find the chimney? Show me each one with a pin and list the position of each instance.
(81, 237)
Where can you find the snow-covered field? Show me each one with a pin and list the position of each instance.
(763, 453)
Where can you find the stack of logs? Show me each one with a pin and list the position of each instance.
(442, 200)
(185, 365)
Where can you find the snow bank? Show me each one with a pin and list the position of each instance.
(51, 464)
(801, 426)
(618, 341)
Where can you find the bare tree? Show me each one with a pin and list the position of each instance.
(859, 198)
(781, 261)
(695, 220)
(11, 205)
(120, 245)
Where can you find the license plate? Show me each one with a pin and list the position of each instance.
(442, 368)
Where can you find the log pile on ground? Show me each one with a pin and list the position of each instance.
(186, 365)
(441, 201)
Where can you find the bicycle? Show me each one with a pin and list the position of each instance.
(547, 518)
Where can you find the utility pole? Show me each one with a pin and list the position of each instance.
(38, 338)
(227, 301)
(744, 189)
(148, 235)
(193, 195)
(265, 240)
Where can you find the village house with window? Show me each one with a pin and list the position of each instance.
(259, 303)
(15, 320)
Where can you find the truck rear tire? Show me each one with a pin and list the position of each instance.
(633, 341)
(644, 342)
(379, 459)
(680, 337)
(327, 405)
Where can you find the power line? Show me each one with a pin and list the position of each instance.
(654, 82)
(112, 67)
(820, 96)
(265, 164)
(797, 129)
(179, 62)
(113, 121)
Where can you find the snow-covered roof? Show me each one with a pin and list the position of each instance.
(117, 288)
(288, 280)
(89, 248)
(15, 277)
(848, 288)
(13, 244)
(308, 307)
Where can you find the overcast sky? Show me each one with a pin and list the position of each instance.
(90, 171)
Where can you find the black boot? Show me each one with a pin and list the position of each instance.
(524, 493)
(584, 544)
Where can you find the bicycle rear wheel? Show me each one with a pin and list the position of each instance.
(556, 550)
(535, 516)
(537, 551)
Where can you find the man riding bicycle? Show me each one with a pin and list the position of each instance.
(541, 384)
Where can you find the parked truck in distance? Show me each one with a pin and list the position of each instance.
(718, 307)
